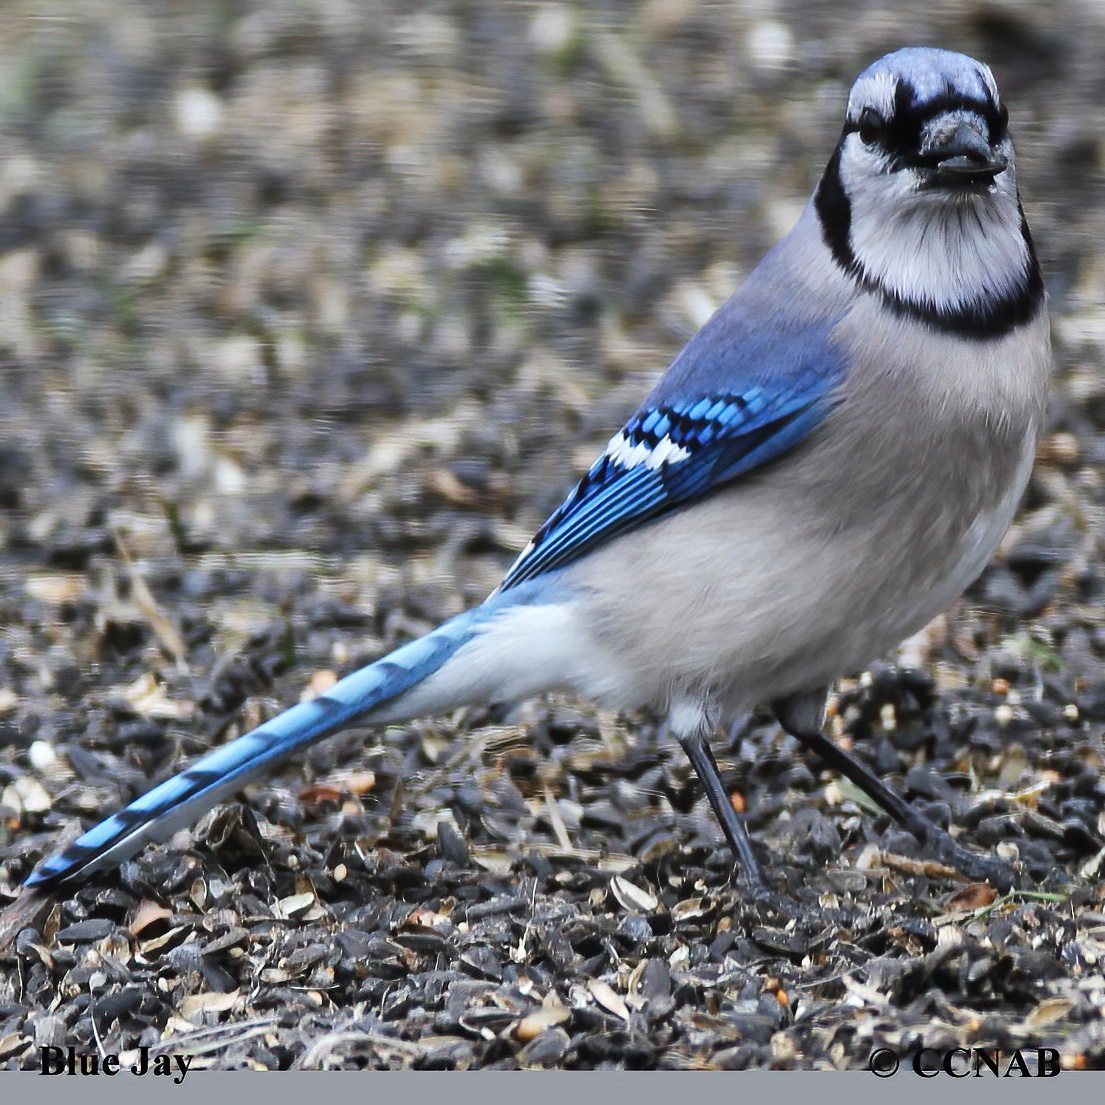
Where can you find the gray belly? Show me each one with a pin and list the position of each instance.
(808, 570)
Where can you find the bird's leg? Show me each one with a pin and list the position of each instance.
(695, 740)
(802, 715)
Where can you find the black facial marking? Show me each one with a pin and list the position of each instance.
(899, 137)
(835, 211)
(871, 126)
(994, 312)
(991, 315)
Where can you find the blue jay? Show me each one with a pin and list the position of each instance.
(824, 467)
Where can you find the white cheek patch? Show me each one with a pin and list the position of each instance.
(943, 249)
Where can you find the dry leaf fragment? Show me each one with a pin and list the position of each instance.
(870, 856)
(691, 909)
(33, 796)
(321, 681)
(608, 998)
(631, 896)
(146, 696)
(173, 936)
(531, 1026)
(320, 799)
(148, 913)
(198, 894)
(1089, 869)
(926, 868)
(162, 625)
(976, 895)
(12, 1043)
(360, 782)
(53, 588)
(208, 1003)
(495, 860)
(1048, 1012)
(295, 903)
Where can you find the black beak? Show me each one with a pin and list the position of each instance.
(959, 158)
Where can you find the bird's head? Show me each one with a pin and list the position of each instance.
(919, 200)
(928, 120)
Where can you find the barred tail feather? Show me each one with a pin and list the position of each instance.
(178, 801)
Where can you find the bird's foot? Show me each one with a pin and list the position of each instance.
(975, 865)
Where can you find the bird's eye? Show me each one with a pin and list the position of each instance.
(871, 125)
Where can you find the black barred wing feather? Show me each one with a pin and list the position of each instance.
(667, 456)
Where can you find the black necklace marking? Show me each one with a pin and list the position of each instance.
(991, 315)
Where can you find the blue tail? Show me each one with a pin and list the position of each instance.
(180, 800)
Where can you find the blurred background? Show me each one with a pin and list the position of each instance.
(311, 311)
(378, 279)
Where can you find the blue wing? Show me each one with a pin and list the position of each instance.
(730, 403)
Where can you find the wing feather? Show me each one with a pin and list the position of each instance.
(690, 438)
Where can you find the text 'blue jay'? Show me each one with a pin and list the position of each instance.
(828, 463)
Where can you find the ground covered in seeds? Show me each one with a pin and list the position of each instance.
(309, 313)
